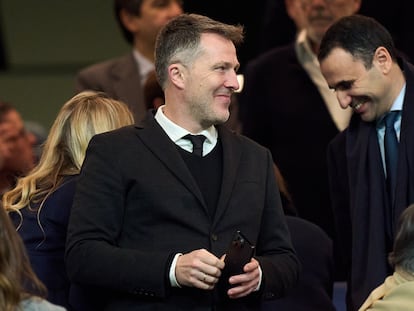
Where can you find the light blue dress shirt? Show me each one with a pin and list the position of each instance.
(396, 106)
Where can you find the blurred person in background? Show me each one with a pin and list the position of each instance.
(20, 144)
(123, 78)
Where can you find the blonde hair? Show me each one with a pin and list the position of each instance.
(17, 279)
(86, 114)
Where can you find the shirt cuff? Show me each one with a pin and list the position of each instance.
(260, 279)
(173, 279)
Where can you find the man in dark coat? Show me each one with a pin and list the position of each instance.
(359, 62)
(153, 215)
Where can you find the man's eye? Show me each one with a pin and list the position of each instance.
(221, 68)
(161, 3)
(343, 86)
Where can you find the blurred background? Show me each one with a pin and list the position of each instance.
(44, 43)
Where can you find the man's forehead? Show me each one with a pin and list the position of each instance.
(13, 116)
(340, 63)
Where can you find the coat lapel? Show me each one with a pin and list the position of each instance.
(154, 137)
(231, 161)
(405, 179)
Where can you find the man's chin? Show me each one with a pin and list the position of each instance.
(366, 117)
(217, 122)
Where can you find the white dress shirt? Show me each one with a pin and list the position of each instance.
(176, 133)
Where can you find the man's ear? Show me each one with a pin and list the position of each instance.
(383, 60)
(177, 75)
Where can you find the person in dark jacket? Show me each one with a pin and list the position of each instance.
(371, 163)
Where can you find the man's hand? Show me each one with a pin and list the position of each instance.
(245, 283)
(198, 268)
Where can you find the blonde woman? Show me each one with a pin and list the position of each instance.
(40, 203)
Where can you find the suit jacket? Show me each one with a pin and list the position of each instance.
(46, 244)
(137, 205)
(282, 109)
(314, 289)
(119, 78)
(359, 197)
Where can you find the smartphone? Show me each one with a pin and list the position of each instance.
(239, 253)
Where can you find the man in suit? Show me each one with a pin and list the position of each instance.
(286, 106)
(371, 181)
(123, 78)
(151, 221)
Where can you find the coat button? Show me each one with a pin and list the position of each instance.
(214, 237)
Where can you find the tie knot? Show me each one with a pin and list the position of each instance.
(390, 118)
(197, 141)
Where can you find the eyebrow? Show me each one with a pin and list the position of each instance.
(342, 85)
(228, 65)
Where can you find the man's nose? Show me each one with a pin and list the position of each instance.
(232, 81)
(343, 98)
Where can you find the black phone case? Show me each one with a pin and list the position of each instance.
(239, 253)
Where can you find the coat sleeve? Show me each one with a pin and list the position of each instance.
(339, 195)
(94, 255)
(276, 254)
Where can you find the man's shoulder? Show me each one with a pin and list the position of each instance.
(118, 136)
(242, 140)
(104, 66)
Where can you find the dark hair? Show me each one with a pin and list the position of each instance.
(360, 36)
(179, 40)
(403, 252)
(133, 7)
(5, 108)
(152, 90)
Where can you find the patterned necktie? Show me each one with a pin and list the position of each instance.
(391, 152)
(197, 141)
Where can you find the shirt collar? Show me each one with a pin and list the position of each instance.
(303, 49)
(398, 103)
(176, 132)
(396, 106)
(145, 66)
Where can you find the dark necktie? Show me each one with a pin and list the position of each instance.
(391, 152)
(197, 141)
